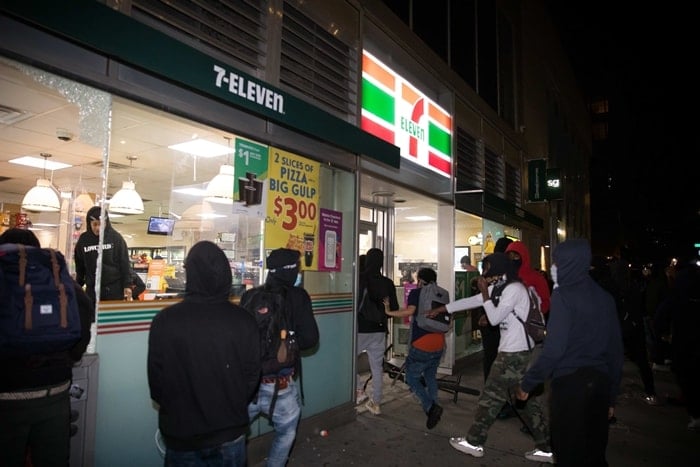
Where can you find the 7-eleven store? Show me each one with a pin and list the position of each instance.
(427, 231)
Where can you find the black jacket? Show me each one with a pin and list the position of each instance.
(203, 358)
(378, 286)
(116, 268)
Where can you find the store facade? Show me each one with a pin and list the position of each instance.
(330, 188)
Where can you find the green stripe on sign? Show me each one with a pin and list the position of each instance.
(439, 139)
(377, 102)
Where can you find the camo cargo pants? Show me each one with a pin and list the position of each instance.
(506, 372)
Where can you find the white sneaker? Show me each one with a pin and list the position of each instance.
(694, 424)
(360, 396)
(373, 407)
(461, 444)
(538, 455)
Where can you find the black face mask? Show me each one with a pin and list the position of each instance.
(517, 263)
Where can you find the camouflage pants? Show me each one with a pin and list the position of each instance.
(506, 372)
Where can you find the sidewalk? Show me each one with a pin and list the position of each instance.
(643, 435)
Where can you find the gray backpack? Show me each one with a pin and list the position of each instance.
(432, 296)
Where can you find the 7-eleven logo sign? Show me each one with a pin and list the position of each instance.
(395, 111)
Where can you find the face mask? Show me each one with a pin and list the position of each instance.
(297, 282)
(553, 273)
(517, 263)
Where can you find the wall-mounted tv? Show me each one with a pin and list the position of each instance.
(160, 225)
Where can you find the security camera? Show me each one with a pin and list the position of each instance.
(64, 135)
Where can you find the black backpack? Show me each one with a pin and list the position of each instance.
(279, 348)
(39, 312)
(534, 325)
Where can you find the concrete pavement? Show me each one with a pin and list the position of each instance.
(644, 435)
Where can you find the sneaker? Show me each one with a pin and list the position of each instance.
(651, 400)
(461, 444)
(373, 407)
(660, 367)
(539, 455)
(506, 412)
(360, 396)
(694, 424)
(434, 415)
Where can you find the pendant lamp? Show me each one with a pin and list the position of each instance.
(127, 200)
(43, 196)
(220, 188)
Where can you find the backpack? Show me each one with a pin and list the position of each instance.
(39, 312)
(278, 345)
(369, 310)
(432, 296)
(534, 325)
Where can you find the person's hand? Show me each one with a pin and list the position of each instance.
(611, 413)
(484, 321)
(128, 295)
(520, 394)
(436, 311)
(482, 284)
(385, 302)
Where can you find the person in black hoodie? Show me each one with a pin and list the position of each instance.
(371, 336)
(204, 366)
(583, 355)
(284, 402)
(116, 269)
(34, 390)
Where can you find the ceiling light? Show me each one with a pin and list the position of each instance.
(30, 161)
(220, 188)
(43, 196)
(202, 148)
(419, 218)
(191, 191)
(127, 200)
(83, 203)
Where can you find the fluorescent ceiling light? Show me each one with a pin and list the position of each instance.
(419, 218)
(202, 148)
(39, 163)
(191, 191)
(43, 224)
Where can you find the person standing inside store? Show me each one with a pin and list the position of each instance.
(204, 366)
(34, 391)
(424, 353)
(371, 336)
(115, 283)
(583, 356)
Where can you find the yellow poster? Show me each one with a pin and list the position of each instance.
(292, 206)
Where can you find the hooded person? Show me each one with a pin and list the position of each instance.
(204, 364)
(371, 335)
(279, 397)
(505, 299)
(583, 351)
(115, 283)
(518, 254)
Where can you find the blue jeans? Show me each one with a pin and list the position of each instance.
(420, 363)
(229, 454)
(285, 419)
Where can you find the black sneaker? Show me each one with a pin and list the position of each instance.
(434, 415)
(506, 412)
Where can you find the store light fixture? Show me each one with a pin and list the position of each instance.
(42, 197)
(220, 188)
(202, 148)
(127, 200)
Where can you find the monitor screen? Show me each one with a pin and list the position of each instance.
(160, 225)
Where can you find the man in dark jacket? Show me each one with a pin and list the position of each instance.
(116, 269)
(204, 366)
(34, 391)
(283, 268)
(371, 336)
(583, 355)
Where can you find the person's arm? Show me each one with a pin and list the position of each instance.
(121, 257)
(475, 301)
(79, 263)
(304, 320)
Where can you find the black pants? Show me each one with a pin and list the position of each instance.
(579, 418)
(490, 338)
(636, 347)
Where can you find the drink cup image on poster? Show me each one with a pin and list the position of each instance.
(308, 249)
(329, 246)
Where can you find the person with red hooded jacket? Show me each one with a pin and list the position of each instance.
(518, 254)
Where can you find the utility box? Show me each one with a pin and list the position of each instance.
(83, 413)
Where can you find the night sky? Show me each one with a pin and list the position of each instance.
(645, 193)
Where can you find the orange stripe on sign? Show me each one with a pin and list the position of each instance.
(439, 116)
(377, 72)
(408, 94)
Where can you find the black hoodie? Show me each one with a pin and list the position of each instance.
(583, 328)
(378, 287)
(203, 358)
(116, 269)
